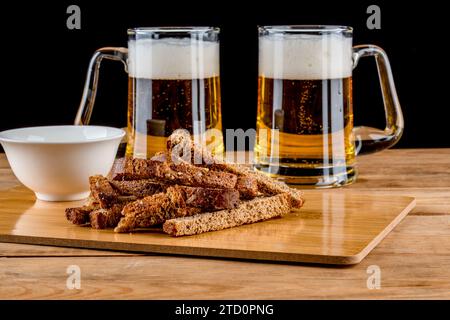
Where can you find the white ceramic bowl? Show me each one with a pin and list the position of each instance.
(56, 161)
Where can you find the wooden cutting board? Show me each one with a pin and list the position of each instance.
(334, 227)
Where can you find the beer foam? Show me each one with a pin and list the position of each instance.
(305, 57)
(172, 58)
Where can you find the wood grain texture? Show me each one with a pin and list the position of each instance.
(414, 257)
(406, 273)
(332, 228)
(407, 168)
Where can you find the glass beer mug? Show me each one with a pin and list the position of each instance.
(173, 82)
(305, 132)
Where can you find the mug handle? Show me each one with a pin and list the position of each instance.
(368, 139)
(90, 87)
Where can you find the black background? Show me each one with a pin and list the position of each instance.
(164, 309)
(46, 63)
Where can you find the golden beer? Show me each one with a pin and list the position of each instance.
(158, 107)
(315, 124)
(305, 113)
(173, 84)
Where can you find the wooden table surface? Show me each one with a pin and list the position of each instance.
(414, 259)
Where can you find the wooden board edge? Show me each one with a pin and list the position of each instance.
(178, 250)
(358, 257)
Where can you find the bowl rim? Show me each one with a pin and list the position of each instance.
(119, 133)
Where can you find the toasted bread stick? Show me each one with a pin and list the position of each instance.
(139, 188)
(267, 185)
(178, 201)
(102, 191)
(154, 210)
(105, 218)
(251, 211)
(181, 173)
(80, 215)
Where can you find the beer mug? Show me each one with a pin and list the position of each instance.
(173, 82)
(305, 132)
